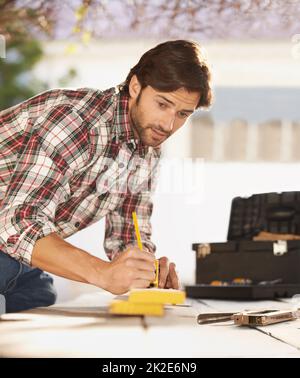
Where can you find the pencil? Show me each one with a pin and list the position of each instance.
(140, 245)
(137, 231)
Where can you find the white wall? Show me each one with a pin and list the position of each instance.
(105, 63)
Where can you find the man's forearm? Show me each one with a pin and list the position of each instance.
(54, 255)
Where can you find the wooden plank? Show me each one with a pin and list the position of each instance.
(288, 332)
(179, 335)
(82, 328)
(85, 332)
(236, 306)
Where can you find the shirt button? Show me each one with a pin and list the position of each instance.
(132, 145)
(77, 224)
(121, 165)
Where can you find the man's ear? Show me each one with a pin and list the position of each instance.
(134, 87)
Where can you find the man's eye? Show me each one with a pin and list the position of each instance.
(183, 115)
(162, 105)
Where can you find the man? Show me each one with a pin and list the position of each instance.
(63, 158)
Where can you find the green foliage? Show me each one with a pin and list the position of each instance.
(70, 75)
(16, 80)
(21, 22)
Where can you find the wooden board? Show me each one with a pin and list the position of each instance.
(83, 328)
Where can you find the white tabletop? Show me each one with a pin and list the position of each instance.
(83, 328)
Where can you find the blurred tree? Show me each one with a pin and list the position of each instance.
(22, 20)
(194, 18)
(18, 26)
(16, 82)
(20, 17)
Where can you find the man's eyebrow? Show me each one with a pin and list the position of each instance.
(172, 103)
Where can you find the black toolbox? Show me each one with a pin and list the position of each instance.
(277, 213)
(242, 268)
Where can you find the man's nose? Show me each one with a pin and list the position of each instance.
(167, 123)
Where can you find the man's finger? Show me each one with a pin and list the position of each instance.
(173, 276)
(134, 251)
(168, 283)
(163, 271)
(141, 264)
(145, 275)
(140, 284)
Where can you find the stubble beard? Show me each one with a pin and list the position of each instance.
(143, 133)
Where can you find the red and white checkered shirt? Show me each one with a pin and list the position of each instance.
(67, 159)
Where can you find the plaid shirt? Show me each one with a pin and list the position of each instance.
(67, 159)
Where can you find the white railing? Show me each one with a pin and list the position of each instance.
(239, 140)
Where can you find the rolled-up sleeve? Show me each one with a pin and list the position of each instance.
(51, 149)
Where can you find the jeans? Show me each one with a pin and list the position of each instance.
(24, 287)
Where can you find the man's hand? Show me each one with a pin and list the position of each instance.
(168, 278)
(130, 269)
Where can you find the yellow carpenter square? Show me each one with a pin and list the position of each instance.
(129, 308)
(162, 296)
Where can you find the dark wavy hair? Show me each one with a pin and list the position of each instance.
(172, 65)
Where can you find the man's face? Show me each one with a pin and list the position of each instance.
(156, 115)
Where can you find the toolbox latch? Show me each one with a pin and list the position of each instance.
(203, 250)
(280, 248)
